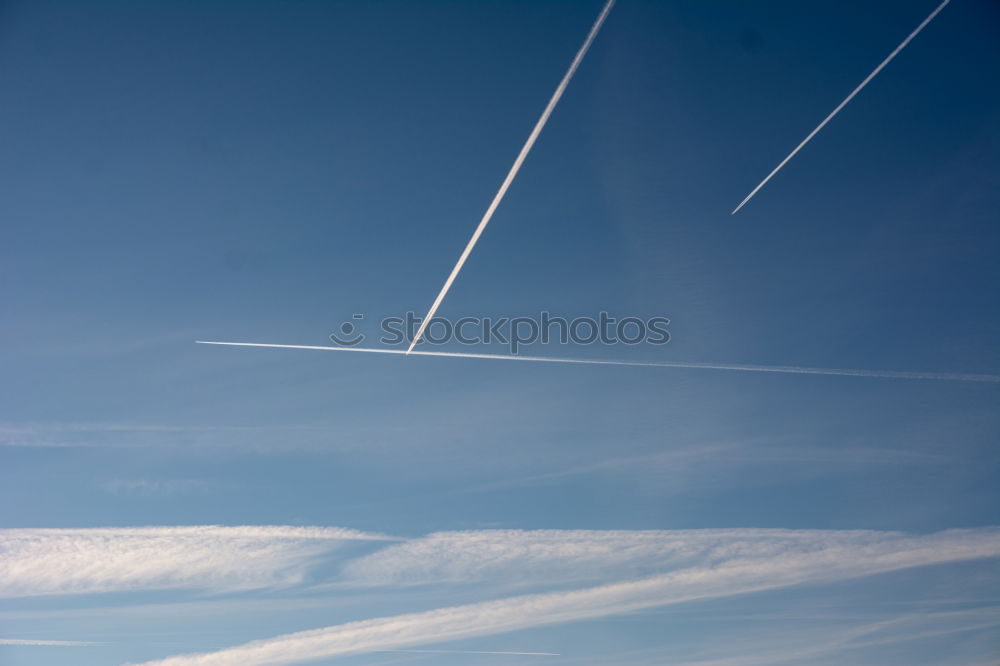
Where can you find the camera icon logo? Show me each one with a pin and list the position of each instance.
(349, 335)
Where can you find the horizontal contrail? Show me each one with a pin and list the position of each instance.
(514, 169)
(844, 103)
(783, 369)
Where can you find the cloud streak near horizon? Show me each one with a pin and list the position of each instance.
(704, 564)
(31, 641)
(524, 654)
(844, 103)
(571, 575)
(37, 562)
(736, 367)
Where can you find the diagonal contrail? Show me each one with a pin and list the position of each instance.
(514, 169)
(740, 367)
(847, 99)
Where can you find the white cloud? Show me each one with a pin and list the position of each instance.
(723, 563)
(28, 641)
(563, 556)
(75, 561)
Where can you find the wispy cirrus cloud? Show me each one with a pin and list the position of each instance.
(814, 644)
(689, 465)
(155, 487)
(509, 652)
(80, 561)
(125, 435)
(830, 640)
(710, 564)
(32, 641)
(522, 556)
(565, 556)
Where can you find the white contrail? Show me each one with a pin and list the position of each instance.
(844, 103)
(514, 169)
(785, 369)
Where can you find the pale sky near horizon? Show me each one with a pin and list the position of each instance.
(262, 171)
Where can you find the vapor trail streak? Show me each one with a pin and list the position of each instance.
(514, 169)
(783, 369)
(844, 103)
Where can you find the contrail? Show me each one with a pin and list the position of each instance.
(740, 367)
(844, 103)
(514, 169)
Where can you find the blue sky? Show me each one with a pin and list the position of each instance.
(262, 171)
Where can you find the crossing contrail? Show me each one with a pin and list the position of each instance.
(739, 367)
(844, 103)
(514, 169)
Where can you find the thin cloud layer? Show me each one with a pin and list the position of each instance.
(734, 565)
(563, 556)
(28, 641)
(78, 561)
